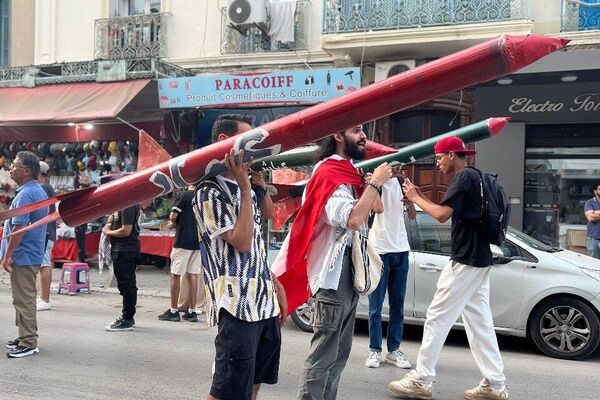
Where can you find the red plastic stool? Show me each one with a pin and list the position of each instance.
(74, 283)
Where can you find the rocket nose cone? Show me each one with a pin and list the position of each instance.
(497, 124)
(524, 50)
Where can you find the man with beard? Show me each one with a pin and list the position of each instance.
(317, 255)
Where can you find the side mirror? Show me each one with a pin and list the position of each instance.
(496, 251)
(498, 255)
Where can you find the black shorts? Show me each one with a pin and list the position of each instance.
(247, 354)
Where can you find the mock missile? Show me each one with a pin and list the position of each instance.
(469, 134)
(308, 154)
(480, 63)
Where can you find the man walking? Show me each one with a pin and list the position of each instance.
(43, 303)
(123, 231)
(592, 214)
(337, 202)
(22, 253)
(185, 258)
(464, 285)
(245, 299)
(389, 238)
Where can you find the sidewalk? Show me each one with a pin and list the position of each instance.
(151, 281)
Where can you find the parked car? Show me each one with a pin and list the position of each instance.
(548, 294)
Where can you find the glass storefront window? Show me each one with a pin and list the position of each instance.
(558, 181)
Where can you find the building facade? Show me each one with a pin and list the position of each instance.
(383, 38)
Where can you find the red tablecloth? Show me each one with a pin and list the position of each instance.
(158, 245)
(66, 249)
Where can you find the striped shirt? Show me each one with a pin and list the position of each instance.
(238, 282)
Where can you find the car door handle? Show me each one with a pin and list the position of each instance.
(430, 267)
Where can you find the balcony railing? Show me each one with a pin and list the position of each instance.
(580, 15)
(257, 40)
(85, 71)
(136, 36)
(364, 15)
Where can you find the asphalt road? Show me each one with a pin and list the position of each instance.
(167, 360)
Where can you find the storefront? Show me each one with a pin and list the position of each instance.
(262, 96)
(548, 158)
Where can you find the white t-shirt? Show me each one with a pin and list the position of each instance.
(388, 233)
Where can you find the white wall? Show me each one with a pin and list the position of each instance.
(195, 32)
(65, 29)
(195, 29)
(546, 15)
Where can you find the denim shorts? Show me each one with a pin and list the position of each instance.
(47, 261)
(247, 353)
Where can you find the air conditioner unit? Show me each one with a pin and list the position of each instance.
(384, 70)
(247, 13)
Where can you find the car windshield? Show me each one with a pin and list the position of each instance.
(531, 242)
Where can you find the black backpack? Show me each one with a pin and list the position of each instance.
(495, 209)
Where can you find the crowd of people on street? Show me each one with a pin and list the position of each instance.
(218, 225)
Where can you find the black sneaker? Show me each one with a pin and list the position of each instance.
(120, 324)
(11, 344)
(22, 351)
(170, 316)
(190, 316)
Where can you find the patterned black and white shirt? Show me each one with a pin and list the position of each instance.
(238, 282)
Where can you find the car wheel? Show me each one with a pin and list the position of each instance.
(565, 328)
(303, 316)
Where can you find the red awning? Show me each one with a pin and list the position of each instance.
(72, 102)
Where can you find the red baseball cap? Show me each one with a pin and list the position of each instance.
(451, 144)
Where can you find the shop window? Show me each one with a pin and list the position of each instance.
(559, 179)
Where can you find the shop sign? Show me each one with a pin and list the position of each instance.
(574, 102)
(274, 88)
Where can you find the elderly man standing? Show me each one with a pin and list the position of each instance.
(22, 254)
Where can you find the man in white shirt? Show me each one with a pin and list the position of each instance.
(389, 237)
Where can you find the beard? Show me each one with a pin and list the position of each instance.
(353, 150)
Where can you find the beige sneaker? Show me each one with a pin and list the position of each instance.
(411, 387)
(485, 392)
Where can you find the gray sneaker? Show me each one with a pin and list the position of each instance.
(398, 359)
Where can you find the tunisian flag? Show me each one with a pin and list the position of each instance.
(291, 266)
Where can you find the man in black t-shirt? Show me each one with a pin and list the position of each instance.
(464, 284)
(185, 258)
(123, 231)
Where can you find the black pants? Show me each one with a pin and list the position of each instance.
(80, 238)
(124, 264)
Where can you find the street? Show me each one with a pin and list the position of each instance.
(166, 360)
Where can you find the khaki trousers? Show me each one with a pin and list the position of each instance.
(22, 281)
(183, 302)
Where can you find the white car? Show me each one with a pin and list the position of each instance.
(548, 294)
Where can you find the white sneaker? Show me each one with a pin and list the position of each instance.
(398, 359)
(41, 305)
(373, 359)
(411, 386)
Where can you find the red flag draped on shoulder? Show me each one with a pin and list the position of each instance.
(294, 274)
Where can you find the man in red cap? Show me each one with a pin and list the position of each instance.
(464, 285)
